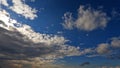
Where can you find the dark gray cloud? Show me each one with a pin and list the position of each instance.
(14, 46)
(85, 63)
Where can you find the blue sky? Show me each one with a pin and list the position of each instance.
(79, 33)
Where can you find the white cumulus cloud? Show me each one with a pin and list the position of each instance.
(20, 7)
(115, 42)
(88, 19)
(4, 2)
(103, 48)
(110, 49)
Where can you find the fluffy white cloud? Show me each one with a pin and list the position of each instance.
(115, 42)
(103, 48)
(88, 19)
(6, 22)
(21, 8)
(109, 50)
(4, 2)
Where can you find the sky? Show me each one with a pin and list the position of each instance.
(59, 33)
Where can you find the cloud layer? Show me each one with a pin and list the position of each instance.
(21, 44)
(22, 47)
(88, 19)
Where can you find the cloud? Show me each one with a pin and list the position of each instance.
(32, 0)
(13, 64)
(4, 2)
(20, 7)
(85, 63)
(68, 21)
(9, 64)
(88, 19)
(103, 48)
(109, 67)
(21, 44)
(115, 42)
(24, 36)
(110, 49)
